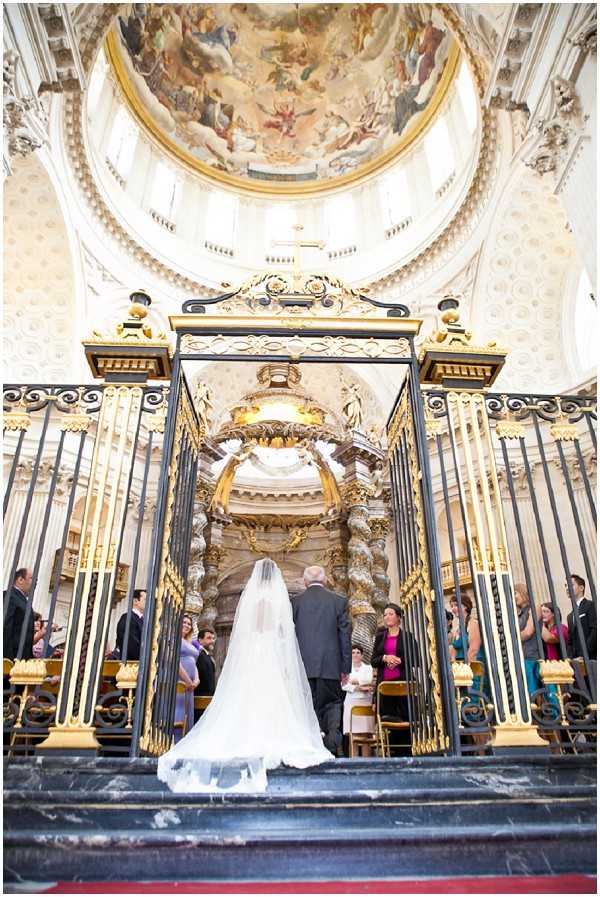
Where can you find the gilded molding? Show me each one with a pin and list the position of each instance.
(564, 432)
(510, 429)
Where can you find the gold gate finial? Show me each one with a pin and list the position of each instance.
(298, 243)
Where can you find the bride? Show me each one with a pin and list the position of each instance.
(261, 714)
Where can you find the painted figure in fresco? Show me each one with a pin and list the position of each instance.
(284, 117)
(360, 72)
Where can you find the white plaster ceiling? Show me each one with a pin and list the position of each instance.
(39, 289)
(521, 283)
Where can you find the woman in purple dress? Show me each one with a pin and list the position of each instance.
(188, 675)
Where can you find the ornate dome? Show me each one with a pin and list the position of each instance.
(290, 97)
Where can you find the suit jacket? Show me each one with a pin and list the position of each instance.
(135, 636)
(323, 632)
(587, 617)
(206, 673)
(407, 662)
(15, 614)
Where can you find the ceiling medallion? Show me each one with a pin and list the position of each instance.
(283, 98)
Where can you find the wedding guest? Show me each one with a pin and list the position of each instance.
(586, 611)
(136, 621)
(529, 643)
(474, 648)
(550, 626)
(188, 675)
(359, 693)
(15, 616)
(205, 666)
(389, 660)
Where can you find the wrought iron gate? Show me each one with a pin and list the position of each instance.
(159, 660)
(432, 717)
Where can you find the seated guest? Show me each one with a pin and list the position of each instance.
(135, 629)
(528, 637)
(359, 693)
(40, 628)
(15, 616)
(389, 660)
(188, 675)
(205, 666)
(550, 626)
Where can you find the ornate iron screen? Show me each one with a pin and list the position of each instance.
(159, 659)
(431, 712)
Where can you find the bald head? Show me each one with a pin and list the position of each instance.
(314, 575)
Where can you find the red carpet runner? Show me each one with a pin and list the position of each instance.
(517, 884)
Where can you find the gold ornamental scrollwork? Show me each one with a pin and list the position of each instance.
(564, 432)
(380, 527)
(355, 493)
(295, 347)
(204, 492)
(510, 429)
(214, 555)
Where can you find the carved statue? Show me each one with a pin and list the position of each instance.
(377, 478)
(352, 407)
(374, 435)
(203, 404)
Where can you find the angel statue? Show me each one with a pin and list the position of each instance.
(203, 404)
(352, 407)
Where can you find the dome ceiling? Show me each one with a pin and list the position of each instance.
(283, 97)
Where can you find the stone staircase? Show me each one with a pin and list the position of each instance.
(108, 820)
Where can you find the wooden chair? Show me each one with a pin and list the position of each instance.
(385, 725)
(181, 724)
(201, 702)
(362, 738)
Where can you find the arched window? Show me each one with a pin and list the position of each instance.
(222, 213)
(164, 191)
(281, 219)
(121, 146)
(396, 197)
(468, 98)
(341, 222)
(96, 83)
(439, 153)
(586, 325)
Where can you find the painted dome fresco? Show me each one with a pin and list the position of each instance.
(304, 96)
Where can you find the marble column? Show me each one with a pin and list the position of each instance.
(213, 557)
(194, 601)
(359, 458)
(337, 552)
(380, 527)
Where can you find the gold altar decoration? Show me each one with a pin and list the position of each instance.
(449, 358)
(293, 541)
(133, 352)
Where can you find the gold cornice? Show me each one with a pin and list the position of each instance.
(251, 323)
(246, 185)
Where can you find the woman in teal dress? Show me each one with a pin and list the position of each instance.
(470, 642)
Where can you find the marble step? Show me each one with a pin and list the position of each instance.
(111, 819)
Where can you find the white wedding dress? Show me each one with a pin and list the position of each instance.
(261, 714)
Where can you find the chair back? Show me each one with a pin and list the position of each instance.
(201, 702)
(397, 689)
(477, 667)
(8, 665)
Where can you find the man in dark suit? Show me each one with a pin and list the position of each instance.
(15, 615)
(205, 666)
(586, 611)
(323, 632)
(134, 640)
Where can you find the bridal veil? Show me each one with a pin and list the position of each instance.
(261, 714)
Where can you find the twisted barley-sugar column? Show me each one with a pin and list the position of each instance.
(194, 601)
(337, 564)
(213, 557)
(360, 559)
(380, 527)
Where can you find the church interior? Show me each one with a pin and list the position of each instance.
(314, 283)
